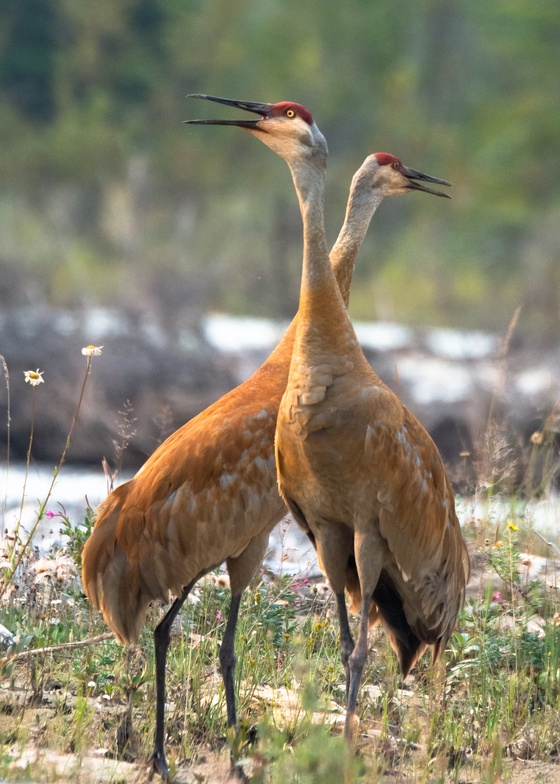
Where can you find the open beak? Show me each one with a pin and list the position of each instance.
(262, 109)
(413, 175)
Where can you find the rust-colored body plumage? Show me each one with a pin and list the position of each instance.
(382, 485)
(357, 470)
(207, 495)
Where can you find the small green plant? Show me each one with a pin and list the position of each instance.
(76, 535)
(314, 756)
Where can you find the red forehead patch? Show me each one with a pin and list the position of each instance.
(385, 158)
(281, 108)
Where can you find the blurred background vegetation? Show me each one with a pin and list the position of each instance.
(108, 200)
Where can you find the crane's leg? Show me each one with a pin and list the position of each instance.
(335, 551)
(162, 638)
(228, 658)
(346, 641)
(356, 664)
(241, 570)
(369, 554)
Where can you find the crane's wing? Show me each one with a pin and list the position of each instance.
(204, 495)
(428, 564)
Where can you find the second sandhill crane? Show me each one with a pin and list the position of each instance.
(209, 493)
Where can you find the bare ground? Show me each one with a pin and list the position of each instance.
(213, 768)
(36, 761)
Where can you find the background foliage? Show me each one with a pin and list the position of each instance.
(107, 199)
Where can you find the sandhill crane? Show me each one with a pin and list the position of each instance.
(355, 467)
(209, 493)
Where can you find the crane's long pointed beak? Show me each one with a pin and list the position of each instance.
(262, 109)
(413, 175)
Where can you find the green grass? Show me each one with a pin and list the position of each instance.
(496, 699)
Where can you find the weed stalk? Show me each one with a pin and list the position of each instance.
(23, 549)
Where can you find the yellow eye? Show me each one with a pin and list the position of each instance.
(396, 165)
(290, 113)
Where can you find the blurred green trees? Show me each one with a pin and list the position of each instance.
(107, 198)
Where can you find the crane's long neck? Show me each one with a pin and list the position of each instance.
(363, 201)
(320, 297)
(309, 181)
(324, 331)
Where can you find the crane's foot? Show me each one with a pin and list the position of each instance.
(158, 764)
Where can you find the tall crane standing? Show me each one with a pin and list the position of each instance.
(355, 467)
(209, 493)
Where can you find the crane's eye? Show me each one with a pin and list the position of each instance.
(396, 165)
(290, 113)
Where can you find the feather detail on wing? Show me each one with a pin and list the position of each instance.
(195, 503)
(428, 566)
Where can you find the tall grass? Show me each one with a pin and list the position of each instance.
(495, 699)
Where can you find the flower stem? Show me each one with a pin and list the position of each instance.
(4, 365)
(27, 464)
(43, 506)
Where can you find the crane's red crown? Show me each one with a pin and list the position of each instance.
(280, 109)
(386, 159)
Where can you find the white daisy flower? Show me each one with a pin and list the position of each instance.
(92, 351)
(34, 377)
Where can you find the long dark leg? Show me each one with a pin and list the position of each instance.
(241, 570)
(355, 668)
(369, 549)
(228, 658)
(346, 641)
(162, 638)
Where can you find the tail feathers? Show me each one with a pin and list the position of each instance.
(387, 607)
(408, 652)
(403, 639)
(112, 579)
(122, 601)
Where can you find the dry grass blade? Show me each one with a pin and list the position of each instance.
(67, 646)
